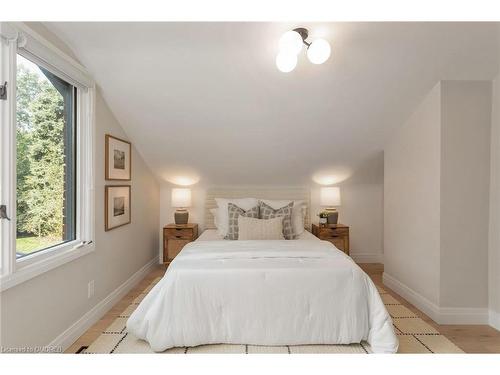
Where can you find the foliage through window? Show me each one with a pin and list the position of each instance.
(45, 140)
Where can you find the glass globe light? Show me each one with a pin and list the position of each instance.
(291, 41)
(286, 61)
(319, 51)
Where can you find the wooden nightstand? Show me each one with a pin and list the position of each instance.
(337, 234)
(175, 237)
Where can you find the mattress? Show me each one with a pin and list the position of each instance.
(263, 293)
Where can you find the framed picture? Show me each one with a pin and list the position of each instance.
(116, 206)
(118, 156)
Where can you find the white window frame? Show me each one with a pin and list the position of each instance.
(19, 38)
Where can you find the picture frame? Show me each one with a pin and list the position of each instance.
(117, 206)
(118, 156)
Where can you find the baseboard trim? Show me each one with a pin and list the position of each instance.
(70, 335)
(441, 315)
(420, 302)
(463, 315)
(494, 320)
(367, 257)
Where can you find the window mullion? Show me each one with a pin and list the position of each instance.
(84, 156)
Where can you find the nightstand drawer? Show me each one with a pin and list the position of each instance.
(338, 242)
(179, 233)
(333, 232)
(174, 247)
(337, 234)
(175, 237)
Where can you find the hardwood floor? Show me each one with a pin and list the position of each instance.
(470, 338)
(89, 336)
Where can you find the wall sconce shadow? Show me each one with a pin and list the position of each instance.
(331, 177)
(181, 176)
(183, 180)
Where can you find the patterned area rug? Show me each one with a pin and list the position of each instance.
(415, 336)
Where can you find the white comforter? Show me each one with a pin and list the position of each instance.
(263, 293)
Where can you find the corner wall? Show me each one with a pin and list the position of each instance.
(412, 171)
(437, 204)
(41, 310)
(465, 184)
(494, 228)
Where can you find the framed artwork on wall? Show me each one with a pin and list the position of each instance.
(118, 156)
(116, 206)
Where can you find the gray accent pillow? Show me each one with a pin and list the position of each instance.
(234, 212)
(267, 212)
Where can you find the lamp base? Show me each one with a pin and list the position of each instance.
(181, 217)
(333, 217)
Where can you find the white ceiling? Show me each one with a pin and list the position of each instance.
(205, 100)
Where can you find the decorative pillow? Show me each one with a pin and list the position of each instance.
(234, 212)
(260, 229)
(222, 211)
(278, 203)
(299, 212)
(267, 212)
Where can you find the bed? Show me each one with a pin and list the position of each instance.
(261, 292)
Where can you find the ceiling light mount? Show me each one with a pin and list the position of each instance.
(292, 42)
(304, 34)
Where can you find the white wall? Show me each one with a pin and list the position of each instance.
(411, 200)
(362, 209)
(37, 311)
(465, 184)
(437, 203)
(494, 229)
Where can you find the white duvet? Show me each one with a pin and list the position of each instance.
(263, 293)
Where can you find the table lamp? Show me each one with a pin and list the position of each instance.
(181, 199)
(330, 198)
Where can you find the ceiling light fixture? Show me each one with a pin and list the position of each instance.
(290, 45)
(286, 61)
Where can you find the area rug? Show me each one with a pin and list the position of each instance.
(415, 336)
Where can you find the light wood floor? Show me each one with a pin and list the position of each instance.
(470, 338)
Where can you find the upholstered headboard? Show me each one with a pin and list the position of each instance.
(260, 193)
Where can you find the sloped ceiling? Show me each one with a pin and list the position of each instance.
(204, 101)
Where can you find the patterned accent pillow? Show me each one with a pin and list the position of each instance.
(234, 212)
(267, 212)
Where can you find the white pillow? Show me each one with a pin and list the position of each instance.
(213, 211)
(259, 229)
(299, 220)
(222, 211)
(298, 213)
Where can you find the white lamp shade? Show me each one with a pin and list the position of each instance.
(181, 197)
(286, 61)
(291, 41)
(330, 196)
(319, 51)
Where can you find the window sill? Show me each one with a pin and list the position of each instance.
(39, 267)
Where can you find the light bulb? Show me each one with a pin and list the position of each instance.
(291, 41)
(319, 51)
(286, 61)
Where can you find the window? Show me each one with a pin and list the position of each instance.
(46, 139)
(45, 168)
